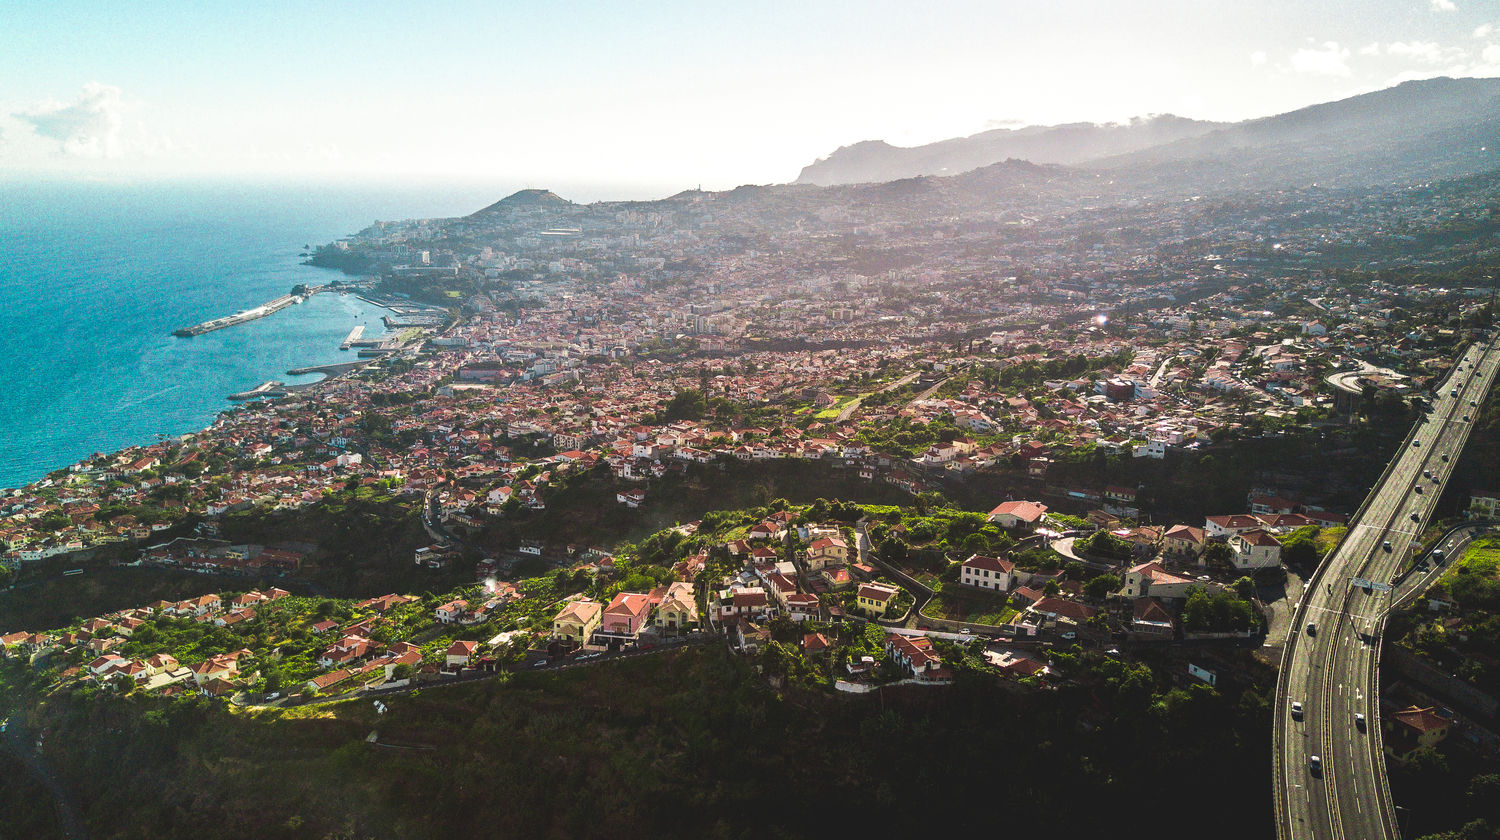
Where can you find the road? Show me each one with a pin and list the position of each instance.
(854, 406)
(1331, 662)
(929, 392)
(1417, 581)
(1161, 371)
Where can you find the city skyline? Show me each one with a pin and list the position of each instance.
(680, 96)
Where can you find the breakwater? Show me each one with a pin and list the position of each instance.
(268, 308)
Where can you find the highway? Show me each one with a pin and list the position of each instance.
(1331, 662)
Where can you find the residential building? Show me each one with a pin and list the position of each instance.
(577, 622)
(875, 598)
(987, 573)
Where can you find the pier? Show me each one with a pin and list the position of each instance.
(400, 322)
(248, 315)
(329, 371)
(268, 390)
(354, 335)
(381, 348)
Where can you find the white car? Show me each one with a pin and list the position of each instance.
(1296, 710)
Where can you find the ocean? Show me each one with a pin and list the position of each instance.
(95, 276)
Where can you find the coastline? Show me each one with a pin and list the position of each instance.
(96, 276)
(318, 354)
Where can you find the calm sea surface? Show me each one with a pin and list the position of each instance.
(94, 278)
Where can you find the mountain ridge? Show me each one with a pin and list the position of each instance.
(1436, 125)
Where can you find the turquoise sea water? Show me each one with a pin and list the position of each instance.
(94, 278)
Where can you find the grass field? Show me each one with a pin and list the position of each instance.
(975, 609)
(1327, 538)
(1482, 557)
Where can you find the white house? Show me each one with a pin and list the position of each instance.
(1255, 549)
(987, 573)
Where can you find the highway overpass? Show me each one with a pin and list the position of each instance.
(1331, 662)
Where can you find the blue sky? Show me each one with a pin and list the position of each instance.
(658, 96)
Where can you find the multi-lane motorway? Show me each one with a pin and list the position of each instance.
(1331, 664)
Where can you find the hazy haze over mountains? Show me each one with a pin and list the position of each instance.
(1423, 129)
(876, 160)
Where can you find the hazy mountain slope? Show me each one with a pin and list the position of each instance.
(877, 161)
(1436, 128)
(532, 198)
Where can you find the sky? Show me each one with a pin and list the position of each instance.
(643, 99)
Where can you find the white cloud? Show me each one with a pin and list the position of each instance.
(1328, 60)
(1491, 54)
(1258, 58)
(1483, 30)
(88, 127)
(1442, 5)
(1427, 52)
(1370, 49)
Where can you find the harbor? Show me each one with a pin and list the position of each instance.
(268, 308)
(414, 320)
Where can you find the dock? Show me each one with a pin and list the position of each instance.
(268, 308)
(267, 390)
(329, 371)
(381, 348)
(354, 335)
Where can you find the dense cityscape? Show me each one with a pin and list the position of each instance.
(1116, 478)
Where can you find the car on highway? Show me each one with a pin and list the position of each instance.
(1296, 710)
(1444, 456)
(1315, 764)
(1438, 556)
(1312, 629)
(1416, 443)
(1418, 488)
(1466, 418)
(1416, 517)
(1386, 545)
(1359, 721)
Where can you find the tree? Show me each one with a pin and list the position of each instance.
(1218, 554)
(687, 404)
(1100, 587)
(893, 551)
(1244, 588)
(1223, 612)
(1299, 549)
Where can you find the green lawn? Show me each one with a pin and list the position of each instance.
(976, 609)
